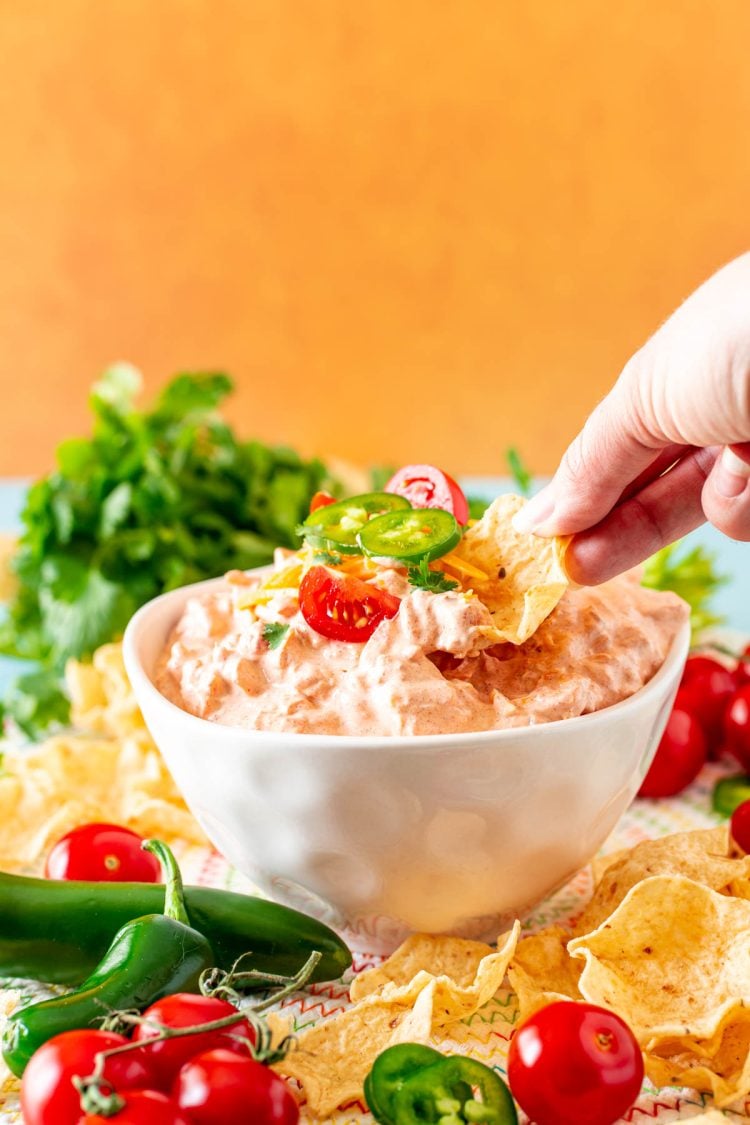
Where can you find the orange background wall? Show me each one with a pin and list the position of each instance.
(412, 229)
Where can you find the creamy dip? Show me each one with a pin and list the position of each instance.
(428, 670)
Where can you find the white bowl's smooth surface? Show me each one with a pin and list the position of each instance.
(382, 836)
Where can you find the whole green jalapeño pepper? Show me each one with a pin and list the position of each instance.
(411, 1084)
(150, 957)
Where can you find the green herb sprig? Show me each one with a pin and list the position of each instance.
(274, 633)
(693, 575)
(433, 580)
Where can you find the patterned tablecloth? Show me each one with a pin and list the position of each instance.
(484, 1035)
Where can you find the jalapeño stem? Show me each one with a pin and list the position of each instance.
(174, 895)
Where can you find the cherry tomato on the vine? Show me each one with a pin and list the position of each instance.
(142, 1107)
(102, 853)
(678, 759)
(737, 726)
(220, 1086)
(48, 1096)
(699, 663)
(424, 486)
(342, 607)
(742, 671)
(574, 1064)
(186, 1009)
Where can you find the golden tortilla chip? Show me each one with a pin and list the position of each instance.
(525, 574)
(543, 971)
(673, 960)
(332, 1059)
(456, 958)
(702, 855)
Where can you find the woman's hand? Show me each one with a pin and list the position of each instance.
(668, 448)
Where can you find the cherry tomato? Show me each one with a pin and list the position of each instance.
(220, 1086)
(699, 663)
(48, 1096)
(737, 726)
(574, 1064)
(321, 500)
(705, 692)
(739, 826)
(142, 1107)
(105, 853)
(678, 759)
(342, 607)
(424, 486)
(185, 1009)
(742, 671)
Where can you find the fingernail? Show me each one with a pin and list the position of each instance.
(534, 513)
(731, 474)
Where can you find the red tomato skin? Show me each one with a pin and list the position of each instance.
(48, 1096)
(678, 759)
(221, 1086)
(142, 1107)
(737, 726)
(424, 486)
(185, 1009)
(321, 500)
(739, 826)
(104, 853)
(700, 663)
(705, 693)
(331, 604)
(574, 1064)
(742, 671)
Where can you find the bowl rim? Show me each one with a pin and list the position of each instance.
(141, 681)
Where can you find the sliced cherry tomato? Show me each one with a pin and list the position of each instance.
(105, 853)
(705, 692)
(342, 607)
(424, 486)
(321, 500)
(678, 759)
(739, 826)
(574, 1064)
(186, 1009)
(142, 1107)
(410, 536)
(220, 1086)
(336, 525)
(737, 726)
(48, 1096)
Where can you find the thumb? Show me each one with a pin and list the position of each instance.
(726, 493)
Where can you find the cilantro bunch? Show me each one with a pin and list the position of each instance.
(152, 500)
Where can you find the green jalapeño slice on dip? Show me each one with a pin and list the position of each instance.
(337, 525)
(420, 533)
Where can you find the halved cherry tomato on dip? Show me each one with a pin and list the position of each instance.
(142, 1107)
(48, 1096)
(104, 853)
(574, 1064)
(336, 525)
(410, 536)
(342, 607)
(321, 500)
(424, 486)
(187, 1009)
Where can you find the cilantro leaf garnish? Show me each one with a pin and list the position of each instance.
(327, 558)
(274, 633)
(151, 500)
(433, 580)
(519, 472)
(692, 575)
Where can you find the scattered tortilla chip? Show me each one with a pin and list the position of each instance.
(332, 1059)
(543, 971)
(673, 960)
(525, 574)
(719, 1066)
(701, 855)
(438, 955)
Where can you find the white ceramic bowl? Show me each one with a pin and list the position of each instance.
(382, 836)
